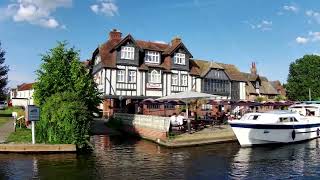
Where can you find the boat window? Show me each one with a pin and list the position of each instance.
(293, 119)
(284, 119)
(253, 117)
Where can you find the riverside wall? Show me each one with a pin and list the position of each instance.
(145, 126)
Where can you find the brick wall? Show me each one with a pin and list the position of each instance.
(146, 126)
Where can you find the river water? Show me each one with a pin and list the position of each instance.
(123, 158)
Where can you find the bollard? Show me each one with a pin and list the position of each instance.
(189, 125)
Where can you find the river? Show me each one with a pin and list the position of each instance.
(126, 158)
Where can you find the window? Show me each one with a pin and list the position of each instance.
(154, 76)
(206, 106)
(174, 79)
(152, 57)
(169, 106)
(184, 80)
(153, 106)
(216, 86)
(253, 117)
(97, 60)
(180, 58)
(120, 75)
(132, 76)
(127, 52)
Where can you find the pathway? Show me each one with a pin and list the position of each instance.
(5, 130)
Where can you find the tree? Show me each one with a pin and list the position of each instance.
(4, 69)
(67, 96)
(62, 71)
(304, 74)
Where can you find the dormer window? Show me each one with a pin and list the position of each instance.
(180, 58)
(152, 57)
(97, 60)
(257, 85)
(127, 52)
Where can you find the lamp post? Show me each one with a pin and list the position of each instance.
(120, 99)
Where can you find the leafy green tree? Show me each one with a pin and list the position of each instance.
(62, 71)
(304, 73)
(62, 74)
(4, 69)
(64, 119)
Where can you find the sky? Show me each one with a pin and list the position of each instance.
(272, 33)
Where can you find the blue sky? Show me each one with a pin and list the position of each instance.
(271, 33)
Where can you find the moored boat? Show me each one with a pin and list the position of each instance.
(275, 127)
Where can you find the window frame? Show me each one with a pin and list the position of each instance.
(177, 79)
(179, 58)
(121, 80)
(97, 60)
(127, 52)
(132, 77)
(183, 82)
(154, 57)
(155, 75)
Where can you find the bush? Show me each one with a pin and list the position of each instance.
(64, 119)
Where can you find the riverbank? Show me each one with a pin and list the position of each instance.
(211, 135)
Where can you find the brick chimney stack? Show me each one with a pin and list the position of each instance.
(114, 34)
(253, 68)
(176, 40)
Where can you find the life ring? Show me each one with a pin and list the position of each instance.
(318, 132)
(293, 134)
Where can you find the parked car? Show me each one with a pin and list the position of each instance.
(3, 105)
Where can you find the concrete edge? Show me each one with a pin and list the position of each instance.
(38, 148)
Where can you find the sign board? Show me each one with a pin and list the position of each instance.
(33, 113)
(154, 86)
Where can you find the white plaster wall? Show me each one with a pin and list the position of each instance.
(242, 90)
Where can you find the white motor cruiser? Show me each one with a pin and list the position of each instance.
(278, 126)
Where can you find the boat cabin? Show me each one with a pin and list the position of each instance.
(271, 117)
(306, 109)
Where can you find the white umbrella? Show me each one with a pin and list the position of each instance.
(187, 97)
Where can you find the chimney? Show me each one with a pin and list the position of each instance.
(175, 40)
(253, 69)
(114, 34)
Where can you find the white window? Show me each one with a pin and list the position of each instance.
(154, 76)
(180, 58)
(174, 79)
(152, 57)
(206, 106)
(97, 60)
(184, 80)
(127, 52)
(120, 75)
(132, 76)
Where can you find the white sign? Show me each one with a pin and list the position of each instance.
(154, 86)
(33, 113)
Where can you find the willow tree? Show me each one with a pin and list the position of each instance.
(62, 83)
(304, 74)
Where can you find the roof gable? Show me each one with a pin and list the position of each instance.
(124, 40)
(175, 47)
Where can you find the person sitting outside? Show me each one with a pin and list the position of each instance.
(173, 119)
(180, 119)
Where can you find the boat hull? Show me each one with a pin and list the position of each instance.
(257, 134)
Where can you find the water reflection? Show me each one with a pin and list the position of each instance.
(127, 158)
(285, 162)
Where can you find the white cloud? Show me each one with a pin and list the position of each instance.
(160, 42)
(301, 40)
(311, 37)
(291, 8)
(37, 12)
(264, 25)
(106, 7)
(314, 15)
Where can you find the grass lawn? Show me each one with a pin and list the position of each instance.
(22, 135)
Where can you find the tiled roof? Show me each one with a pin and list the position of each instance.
(206, 66)
(265, 87)
(25, 86)
(233, 72)
(194, 68)
(152, 45)
(108, 58)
